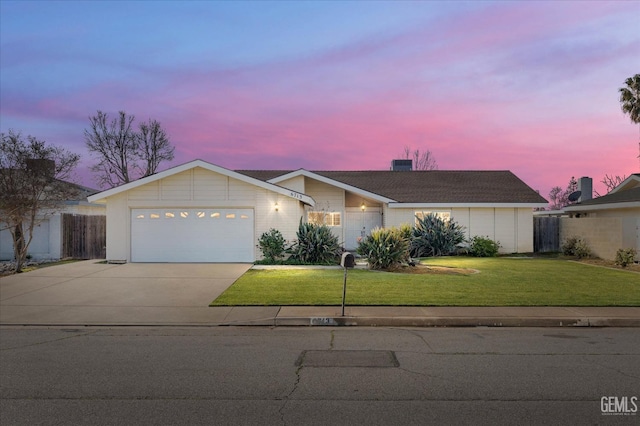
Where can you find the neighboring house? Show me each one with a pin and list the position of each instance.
(607, 223)
(48, 235)
(200, 212)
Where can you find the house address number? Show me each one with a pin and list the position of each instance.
(296, 195)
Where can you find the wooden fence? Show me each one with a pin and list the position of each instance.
(546, 234)
(84, 237)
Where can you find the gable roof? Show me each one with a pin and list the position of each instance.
(630, 182)
(101, 196)
(429, 187)
(330, 181)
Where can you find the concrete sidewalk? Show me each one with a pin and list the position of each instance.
(90, 293)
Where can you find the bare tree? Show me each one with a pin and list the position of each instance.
(422, 160)
(611, 182)
(122, 153)
(114, 144)
(32, 186)
(560, 198)
(154, 146)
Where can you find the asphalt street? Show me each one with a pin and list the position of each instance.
(318, 376)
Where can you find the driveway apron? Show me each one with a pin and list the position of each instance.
(94, 293)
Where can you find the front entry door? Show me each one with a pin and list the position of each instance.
(359, 225)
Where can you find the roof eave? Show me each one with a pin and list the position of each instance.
(333, 182)
(463, 205)
(624, 183)
(607, 206)
(102, 196)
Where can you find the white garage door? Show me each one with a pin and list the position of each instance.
(192, 235)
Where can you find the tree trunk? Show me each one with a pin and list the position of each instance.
(18, 245)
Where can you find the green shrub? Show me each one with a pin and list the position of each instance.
(582, 250)
(316, 244)
(385, 248)
(272, 245)
(568, 245)
(625, 257)
(483, 247)
(433, 236)
(575, 246)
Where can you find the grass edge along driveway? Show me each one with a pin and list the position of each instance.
(501, 282)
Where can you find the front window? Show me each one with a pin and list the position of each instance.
(324, 218)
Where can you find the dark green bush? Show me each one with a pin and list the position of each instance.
(272, 245)
(483, 247)
(316, 244)
(433, 236)
(385, 247)
(625, 257)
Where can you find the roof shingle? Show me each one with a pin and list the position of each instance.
(433, 186)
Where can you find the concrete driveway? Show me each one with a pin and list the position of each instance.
(92, 293)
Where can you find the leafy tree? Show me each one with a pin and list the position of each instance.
(559, 198)
(630, 100)
(421, 160)
(124, 154)
(32, 186)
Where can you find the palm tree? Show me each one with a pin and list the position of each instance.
(630, 99)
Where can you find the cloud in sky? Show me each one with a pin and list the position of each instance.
(525, 86)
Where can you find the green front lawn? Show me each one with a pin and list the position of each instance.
(500, 282)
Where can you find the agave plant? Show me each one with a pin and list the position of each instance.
(315, 244)
(385, 248)
(433, 236)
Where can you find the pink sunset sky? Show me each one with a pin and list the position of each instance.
(530, 87)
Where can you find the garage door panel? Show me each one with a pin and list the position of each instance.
(192, 235)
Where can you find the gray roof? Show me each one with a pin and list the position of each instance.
(626, 196)
(434, 186)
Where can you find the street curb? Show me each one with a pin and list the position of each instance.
(450, 322)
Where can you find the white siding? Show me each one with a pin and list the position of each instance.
(177, 187)
(199, 188)
(330, 199)
(482, 222)
(506, 229)
(150, 191)
(209, 186)
(525, 231)
(118, 228)
(513, 228)
(295, 184)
